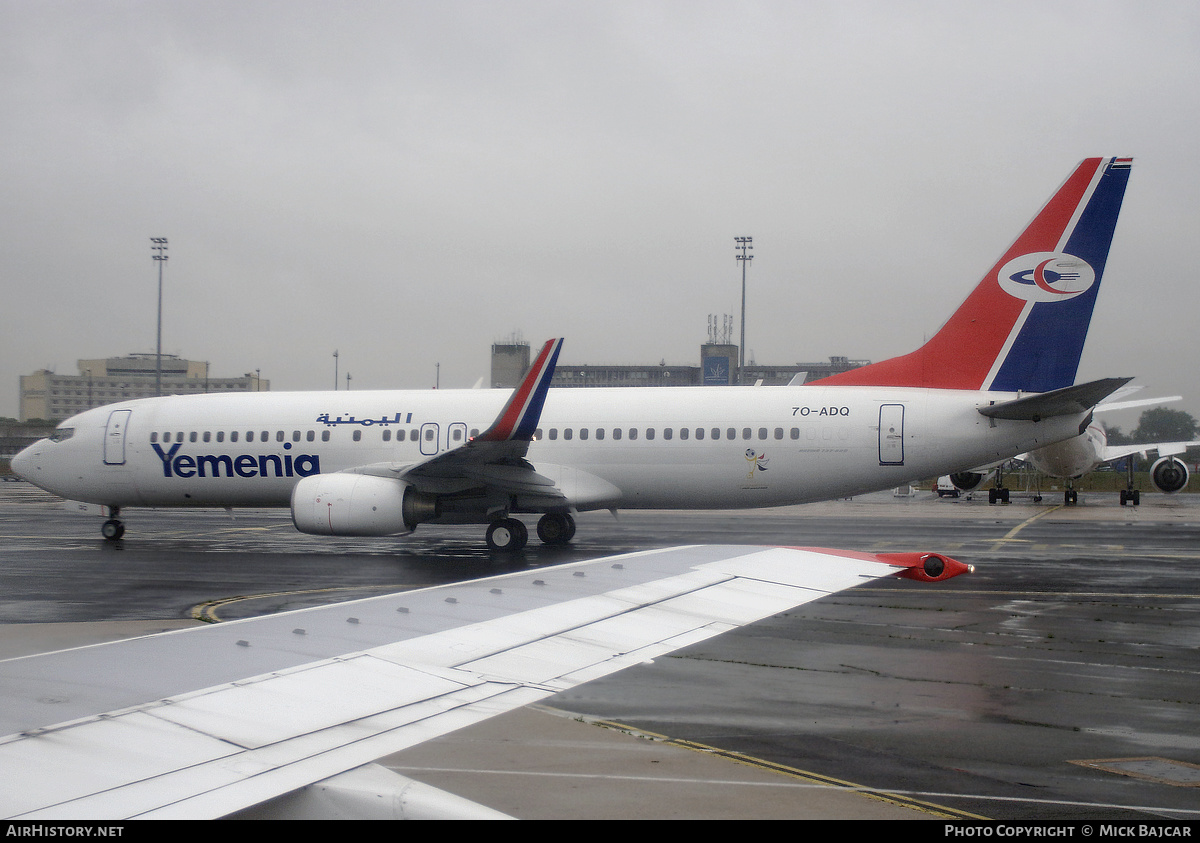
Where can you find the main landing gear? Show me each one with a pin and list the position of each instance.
(114, 527)
(508, 535)
(1130, 495)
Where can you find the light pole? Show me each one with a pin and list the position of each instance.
(335, 367)
(744, 246)
(159, 245)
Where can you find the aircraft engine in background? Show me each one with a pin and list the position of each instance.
(968, 481)
(1169, 474)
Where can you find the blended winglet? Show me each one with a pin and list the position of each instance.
(519, 418)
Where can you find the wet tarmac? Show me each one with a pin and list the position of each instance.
(1058, 682)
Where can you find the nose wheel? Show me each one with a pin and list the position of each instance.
(112, 529)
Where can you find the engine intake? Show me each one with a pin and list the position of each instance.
(1169, 474)
(968, 481)
(359, 505)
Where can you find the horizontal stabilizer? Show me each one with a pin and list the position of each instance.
(1068, 401)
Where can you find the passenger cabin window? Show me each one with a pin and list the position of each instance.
(358, 436)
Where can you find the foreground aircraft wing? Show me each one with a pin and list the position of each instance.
(291, 709)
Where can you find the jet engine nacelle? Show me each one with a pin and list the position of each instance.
(968, 481)
(359, 505)
(1169, 474)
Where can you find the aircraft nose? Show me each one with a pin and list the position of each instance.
(23, 464)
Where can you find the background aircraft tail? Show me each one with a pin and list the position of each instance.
(1023, 328)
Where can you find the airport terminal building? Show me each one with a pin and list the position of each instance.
(718, 367)
(48, 395)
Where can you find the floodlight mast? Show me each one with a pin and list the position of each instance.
(159, 245)
(744, 246)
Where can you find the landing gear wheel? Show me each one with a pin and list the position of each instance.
(556, 528)
(1070, 497)
(507, 535)
(112, 529)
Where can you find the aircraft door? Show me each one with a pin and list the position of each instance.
(114, 437)
(891, 434)
(429, 438)
(456, 435)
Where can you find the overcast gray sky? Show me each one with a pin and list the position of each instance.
(408, 182)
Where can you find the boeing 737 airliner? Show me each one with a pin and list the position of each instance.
(997, 380)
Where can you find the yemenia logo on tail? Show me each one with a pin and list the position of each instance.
(1046, 276)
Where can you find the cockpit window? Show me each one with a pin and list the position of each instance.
(62, 434)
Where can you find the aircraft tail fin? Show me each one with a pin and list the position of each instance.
(519, 418)
(1023, 327)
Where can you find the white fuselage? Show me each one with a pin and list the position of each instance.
(704, 447)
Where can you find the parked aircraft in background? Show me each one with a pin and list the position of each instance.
(997, 380)
(1073, 458)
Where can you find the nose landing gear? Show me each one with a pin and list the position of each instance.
(114, 527)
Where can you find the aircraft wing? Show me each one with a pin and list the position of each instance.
(207, 721)
(1107, 406)
(1163, 449)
